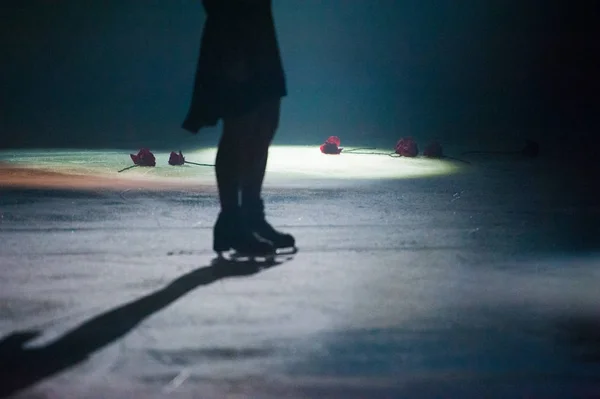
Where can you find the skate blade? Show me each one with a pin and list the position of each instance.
(241, 257)
(286, 251)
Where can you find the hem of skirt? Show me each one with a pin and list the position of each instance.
(195, 127)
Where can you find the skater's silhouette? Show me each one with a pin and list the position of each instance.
(22, 366)
(240, 80)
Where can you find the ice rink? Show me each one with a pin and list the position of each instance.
(415, 278)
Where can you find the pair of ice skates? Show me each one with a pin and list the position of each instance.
(246, 231)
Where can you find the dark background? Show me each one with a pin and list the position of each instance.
(119, 73)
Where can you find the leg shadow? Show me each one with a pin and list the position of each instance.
(21, 367)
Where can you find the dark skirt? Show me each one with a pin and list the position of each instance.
(239, 66)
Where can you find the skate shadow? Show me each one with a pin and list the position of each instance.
(22, 367)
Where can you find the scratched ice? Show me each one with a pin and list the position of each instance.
(481, 282)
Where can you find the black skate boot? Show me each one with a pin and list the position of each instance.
(254, 215)
(231, 232)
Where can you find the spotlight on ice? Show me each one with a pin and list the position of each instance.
(288, 165)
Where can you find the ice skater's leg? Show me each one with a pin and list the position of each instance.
(257, 149)
(228, 165)
(257, 152)
(231, 230)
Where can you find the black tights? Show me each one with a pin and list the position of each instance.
(242, 155)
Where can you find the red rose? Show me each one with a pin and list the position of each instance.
(330, 149)
(334, 140)
(144, 158)
(331, 146)
(433, 150)
(176, 159)
(407, 147)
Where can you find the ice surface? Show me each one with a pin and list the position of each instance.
(289, 164)
(443, 281)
